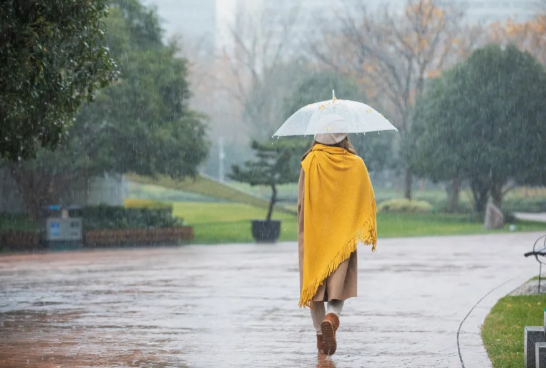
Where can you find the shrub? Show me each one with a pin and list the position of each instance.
(530, 204)
(509, 217)
(146, 203)
(114, 217)
(402, 205)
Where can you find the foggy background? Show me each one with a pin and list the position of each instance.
(216, 37)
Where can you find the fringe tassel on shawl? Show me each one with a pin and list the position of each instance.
(367, 234)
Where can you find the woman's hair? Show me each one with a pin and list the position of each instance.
(345, 144)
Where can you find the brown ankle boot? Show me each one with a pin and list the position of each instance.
(319, 344)
(329, 327)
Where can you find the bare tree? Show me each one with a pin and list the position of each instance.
(200, 59)
(394, 53)
(260, 66)
(207, 76)
(242, 83)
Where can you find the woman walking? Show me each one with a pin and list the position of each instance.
(336, 211)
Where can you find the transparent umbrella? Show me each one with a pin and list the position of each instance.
(334, 116)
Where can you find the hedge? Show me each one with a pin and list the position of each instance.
(403, 205)
(146, 203)
(117, 217)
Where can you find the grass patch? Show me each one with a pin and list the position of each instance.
(230, 223)
(205, 187)
(286, 192)
(213, 213)
(146, 203)
(215, 223)
(237, 232)
(161, 194)
(404, 225)
(502, 331)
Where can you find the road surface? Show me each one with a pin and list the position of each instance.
(236, 305)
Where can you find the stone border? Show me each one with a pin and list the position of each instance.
(472, 350)
(32, 241)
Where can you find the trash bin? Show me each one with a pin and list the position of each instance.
(61, 230)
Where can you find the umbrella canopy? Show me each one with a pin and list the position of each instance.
(334, 116)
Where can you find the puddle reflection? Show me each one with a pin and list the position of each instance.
(324, 361)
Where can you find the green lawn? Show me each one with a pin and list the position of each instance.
(237, 232)
(205, 187)
(230, 223)
(403, 225)
(517, 200)
(286, 192)
(502, 331)
(195, 213)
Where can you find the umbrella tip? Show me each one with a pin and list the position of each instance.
(333, 94)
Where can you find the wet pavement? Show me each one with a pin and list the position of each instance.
(236, 305)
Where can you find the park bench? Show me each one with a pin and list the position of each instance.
(539, 252)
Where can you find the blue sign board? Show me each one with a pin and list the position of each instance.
(55, 228)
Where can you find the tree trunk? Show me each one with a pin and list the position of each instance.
(407, 183)
(272, 202)
(480, 193)
(453, 195)
(497, 194)
(36, 189)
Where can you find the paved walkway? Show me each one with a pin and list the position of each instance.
(236, 306)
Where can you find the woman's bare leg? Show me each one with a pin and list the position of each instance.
(318, 313)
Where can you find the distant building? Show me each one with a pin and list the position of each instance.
(207, 21)
(195, 20)
(488, 11)
(491, 11)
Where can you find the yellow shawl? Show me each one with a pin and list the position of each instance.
(339, 212)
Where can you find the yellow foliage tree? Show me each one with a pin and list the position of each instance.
(393, 54)
(529, 35)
